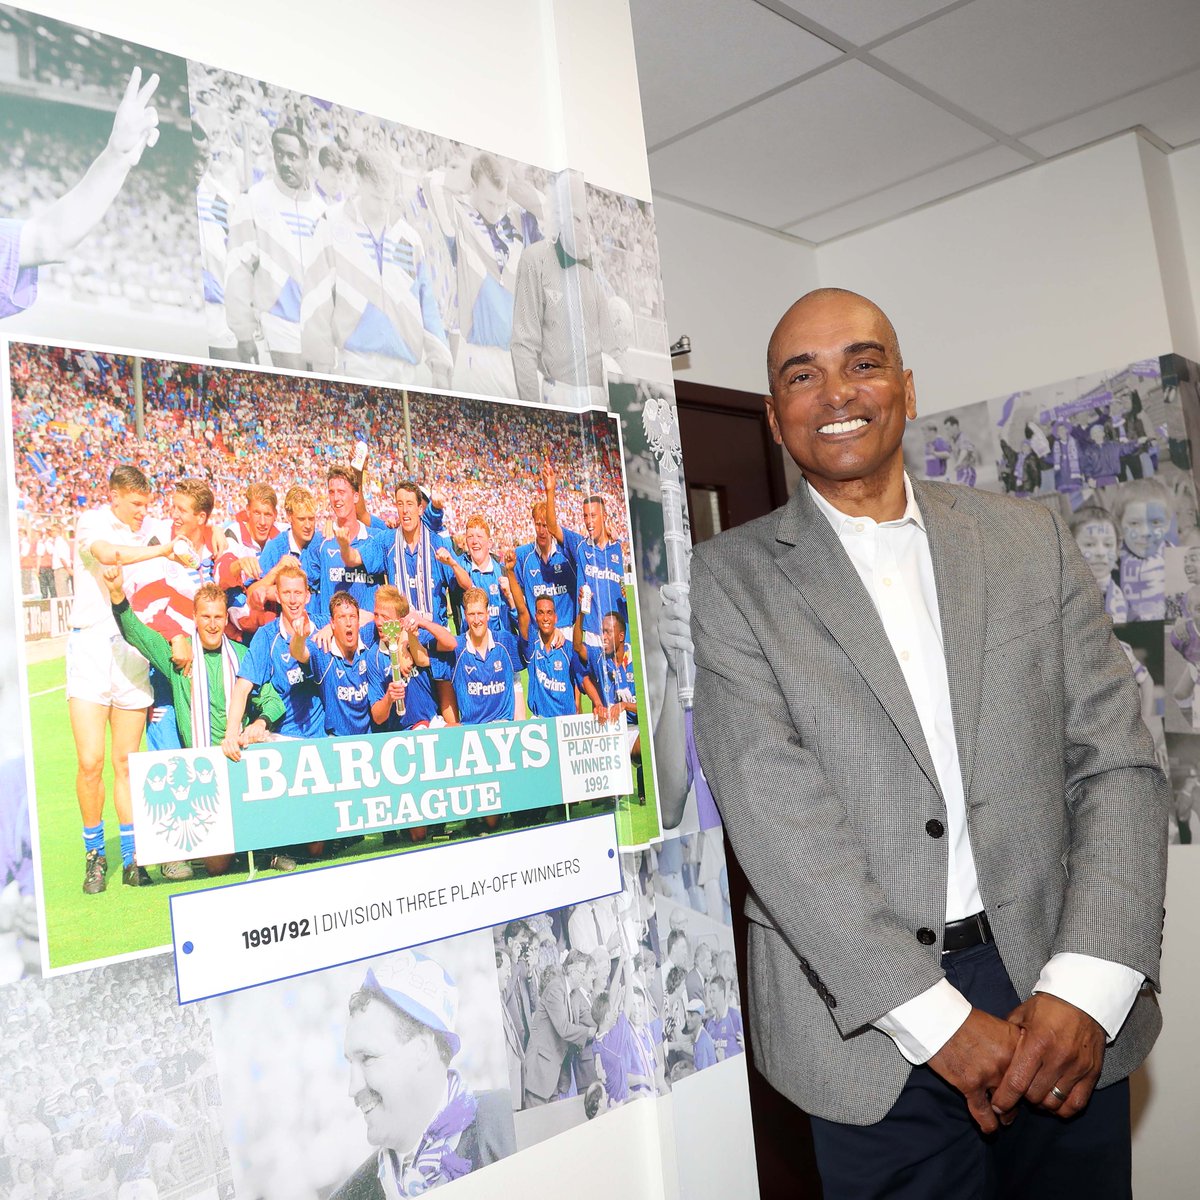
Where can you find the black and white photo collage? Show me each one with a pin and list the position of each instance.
(620, 999)
(1113, 454)
(157, 209)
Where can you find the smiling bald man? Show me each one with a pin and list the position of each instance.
(927, 747)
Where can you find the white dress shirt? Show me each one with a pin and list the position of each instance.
(893, 561)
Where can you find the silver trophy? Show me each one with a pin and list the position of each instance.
(392, 633)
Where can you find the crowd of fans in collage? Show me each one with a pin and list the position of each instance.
(108, 1089)
(1113, 455)
(616, 1000)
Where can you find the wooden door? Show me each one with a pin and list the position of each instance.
(734, 473)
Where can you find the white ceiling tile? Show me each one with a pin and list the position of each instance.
(903, 197)
(1020, 64)
(698, 60)
(1171, 111)
(862, 21)
(842, 134)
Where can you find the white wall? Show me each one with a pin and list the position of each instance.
(1185, 178)
(727, 284)
(1040, 277)
(1166, 1148)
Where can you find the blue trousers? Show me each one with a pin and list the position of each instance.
(929, 1148)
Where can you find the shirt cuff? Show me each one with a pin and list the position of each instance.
(1104, 990)
(920, 1027)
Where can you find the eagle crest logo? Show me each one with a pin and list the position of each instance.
(182, 799)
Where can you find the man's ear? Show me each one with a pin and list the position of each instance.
(769, 405)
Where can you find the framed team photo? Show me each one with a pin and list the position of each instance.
(344, 560)
(97, 232)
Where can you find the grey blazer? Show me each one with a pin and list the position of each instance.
(809, 738)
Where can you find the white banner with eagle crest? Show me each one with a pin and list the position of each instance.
(181, 805)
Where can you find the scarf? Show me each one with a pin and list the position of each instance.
(435, 1160)
(418, 588)
(201, 717)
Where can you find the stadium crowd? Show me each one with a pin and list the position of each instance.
(73, 419)
(107, 1087)
(627, 255)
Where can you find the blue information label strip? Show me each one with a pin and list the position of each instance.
(197, 803)
(246, 934)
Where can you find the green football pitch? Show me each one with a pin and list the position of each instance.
(125, 920)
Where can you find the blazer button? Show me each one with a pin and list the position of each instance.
(926, 936)
(934, 828)
(831, 1001)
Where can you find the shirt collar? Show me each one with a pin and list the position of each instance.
(336, 650)
(489, 644)
(839, 520)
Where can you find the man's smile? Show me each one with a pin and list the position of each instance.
(835, 427)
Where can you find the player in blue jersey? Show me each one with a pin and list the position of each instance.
(486, 233)
(133, 1144)
(353, 559)
(275, 655)
(369, 305)
(272, 245)
(611, 669)
(477, 568)
(544, 569)
(724, 1024)
(290, 546)
(408, 703)
(341, 671)
(485, 669)
(216, 191)
(55, 231)
(400, 687)
(598, 558)
(556, 673)
(423, 581)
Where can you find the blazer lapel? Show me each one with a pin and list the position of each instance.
(812, 558)
(957, 554)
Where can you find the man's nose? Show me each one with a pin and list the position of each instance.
(839, 391)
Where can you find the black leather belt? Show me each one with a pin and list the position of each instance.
(970, 931)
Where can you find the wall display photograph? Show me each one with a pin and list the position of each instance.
(98, 240)
(1112, 454)
(277, 451)
(348, 559)
(333, 1078)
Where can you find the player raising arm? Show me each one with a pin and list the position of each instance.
(53, 234)
(598, 559)
(274, 657)
(556, 673)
